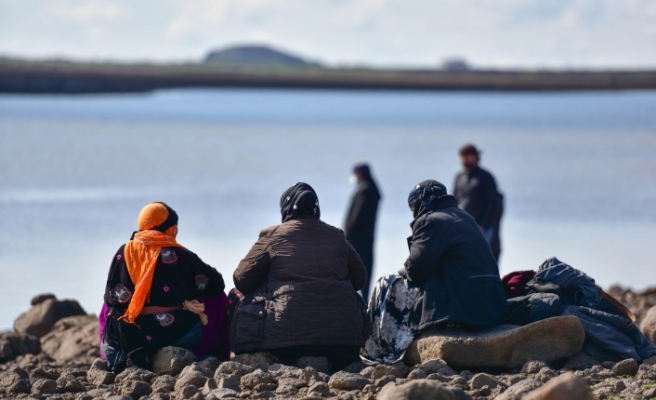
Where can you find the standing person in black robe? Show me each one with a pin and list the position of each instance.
(476, 192)
(361, 220)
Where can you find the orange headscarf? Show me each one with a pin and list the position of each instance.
(142, 251)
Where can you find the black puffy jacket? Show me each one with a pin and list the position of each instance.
(450, 257)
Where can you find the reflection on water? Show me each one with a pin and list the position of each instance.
(576, 169)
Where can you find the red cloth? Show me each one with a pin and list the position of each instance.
(515, 283)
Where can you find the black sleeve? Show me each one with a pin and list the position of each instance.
(490, 199)
(119, 288)
(209, 282)
(426, 249)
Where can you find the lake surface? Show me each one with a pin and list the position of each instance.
(578, 171)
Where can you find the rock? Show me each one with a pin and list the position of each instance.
(580, 362)
(100, 364)
(368, 372)
(355, 367)
(43, 387)
(650, 361)
(320, 364)
(135, 389)
(163, 384)
(187, 392)
(437, 367)
(119, 398)
(381, 382)
(221, 393)
(227, 381)
(646, 372)
(15, 380)
(626, 367)
(320, 388)
(260, 359)
(533, 367)
(42, 373)
(480, 380)
(348, 381)
(501, 347)
(13, 345)
(40, 319)
(648, 325)
(519, 389)
(172, 360)
(381, 370)
(417, 373)
(135, 374)
(422, 390)
(198, 368)
(40, 298)
(99, 377)
(209, 385)
(211, 363)
(69, 383)
(565, 387)
(256, 378)
(285, 390)
(545, 375)
(72, 337)
(191, 377)
(234, 368)
(281, 371)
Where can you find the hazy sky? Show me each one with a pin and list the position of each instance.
(529, 33)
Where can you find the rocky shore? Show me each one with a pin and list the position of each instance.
(53, 354)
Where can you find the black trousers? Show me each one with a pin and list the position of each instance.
(339, 356)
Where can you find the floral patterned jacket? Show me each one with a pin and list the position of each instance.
(179, 275)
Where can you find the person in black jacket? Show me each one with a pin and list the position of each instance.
(476, 192)
(450, 278)
(361, 220)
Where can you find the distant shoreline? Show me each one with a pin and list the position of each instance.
(52, 77)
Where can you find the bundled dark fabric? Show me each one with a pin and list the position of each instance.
(299, 199)
(610, 335)
(535, 307)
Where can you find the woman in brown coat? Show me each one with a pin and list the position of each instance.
(300, 281)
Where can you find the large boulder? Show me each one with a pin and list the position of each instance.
(502, 347)
(73, 337)
(422, 389)
(47, 310)
(648, 325)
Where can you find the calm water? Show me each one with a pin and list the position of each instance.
(578, 171)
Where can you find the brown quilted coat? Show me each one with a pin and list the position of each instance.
(300, 280)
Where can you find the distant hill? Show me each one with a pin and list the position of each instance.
(254, 55)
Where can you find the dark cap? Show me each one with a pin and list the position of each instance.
(362, 169)
(469, 148)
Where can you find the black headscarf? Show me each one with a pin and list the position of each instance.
(425, 195)
(299, 199)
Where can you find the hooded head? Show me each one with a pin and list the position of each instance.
(425, 195)
(299, 199)
(158, 217)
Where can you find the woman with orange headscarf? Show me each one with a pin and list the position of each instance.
(153, 291)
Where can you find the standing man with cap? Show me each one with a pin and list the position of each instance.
(476, 192)
(361, 220)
